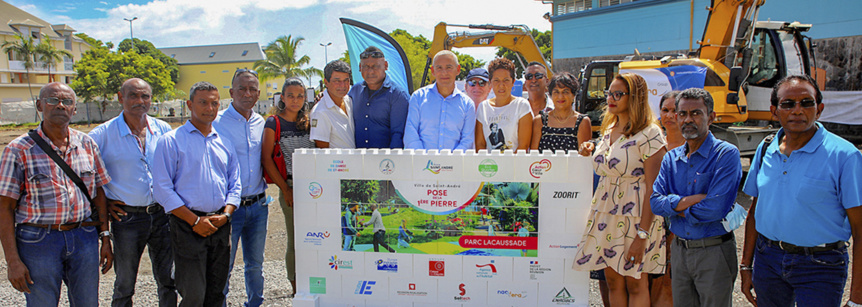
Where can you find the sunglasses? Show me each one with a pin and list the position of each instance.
(617, 94)
(537, 75)
(480, 82)
(241, 71)
(53, 101)
(790, 104)
(370, 54)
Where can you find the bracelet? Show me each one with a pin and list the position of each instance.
(196, 222)
(743, 267)
(853, 304)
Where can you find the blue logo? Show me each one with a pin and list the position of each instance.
(364, 287)
(387, 265)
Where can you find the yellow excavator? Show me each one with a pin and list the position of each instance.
(515, 37)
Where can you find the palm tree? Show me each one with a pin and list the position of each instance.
(49, 55)
(26, 48)
(283, 61)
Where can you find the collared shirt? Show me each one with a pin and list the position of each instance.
(803, 198)
(379, 117)
(437, 122)
(715, 170)
(549, 105)
(331, 124)
(130, 166)
(196, 171)
(45, 194)
(246, 138)
(376, 220)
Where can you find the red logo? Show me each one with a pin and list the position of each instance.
(493, 268)
(412, 286)
(436, 268)
(461, 287)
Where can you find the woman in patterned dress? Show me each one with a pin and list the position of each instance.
(623, 237)
(562, 128)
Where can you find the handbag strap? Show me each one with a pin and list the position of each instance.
(766, 141)
(62, 164)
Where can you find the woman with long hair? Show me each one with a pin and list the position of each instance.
(291, 119)
(623, 237)
(503, 122)
(562, 128)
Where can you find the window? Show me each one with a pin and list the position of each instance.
(203, 71)
(604, 3)
(764, 61)
(574, 6)
(212, 54)
(225, 70)
(244, 52)
(68, 43)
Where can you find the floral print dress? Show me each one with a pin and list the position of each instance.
(616, 207)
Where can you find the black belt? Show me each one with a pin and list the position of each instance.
(705, 242)
(794, 249)
(201, 213)
(151, 209)
(251, 200)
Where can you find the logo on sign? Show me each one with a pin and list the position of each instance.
(436, 168)
(488, 168)
(315, 190)
(363, 287)
(566, 194)
(460, 297)
(387, 265)
(387, 167)
(539, 168)
(563, 297)
(513, 294)
(335, 263)
(317, 285)
(316, 238)
(436, 268)
(411, 291)
(488, 270)
(536, 270)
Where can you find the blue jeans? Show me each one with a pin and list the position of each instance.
(132, 233)
(815, 279)
(348, 243)
(54, 257)
(249, 224)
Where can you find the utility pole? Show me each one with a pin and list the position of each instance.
(325, 53)
(131, 32)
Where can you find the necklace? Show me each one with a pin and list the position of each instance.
(563, 118)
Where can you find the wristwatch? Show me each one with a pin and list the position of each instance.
(106, 233)
(853, 304)
(642, 233)
(227, 215)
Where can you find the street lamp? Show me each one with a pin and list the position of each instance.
(325, 54)
(131, 32)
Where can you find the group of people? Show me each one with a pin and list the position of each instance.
(190, 195)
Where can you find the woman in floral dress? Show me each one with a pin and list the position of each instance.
(623, 237)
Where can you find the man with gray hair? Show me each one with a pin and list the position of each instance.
(196, 178)
(695, 189)
(332, 116)
(128, 144)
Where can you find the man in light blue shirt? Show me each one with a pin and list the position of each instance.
(128, 143)
(243, 128)
(440, 116)
(196, 174)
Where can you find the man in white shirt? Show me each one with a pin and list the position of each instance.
(331, 121)
(536, 76)
(379, 230)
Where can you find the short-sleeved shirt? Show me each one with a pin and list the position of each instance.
(290, 139)
(379, 116)
(506, 119)
(331, 124)
(802, 199)
(45, 194)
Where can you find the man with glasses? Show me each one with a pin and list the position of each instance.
(807, 206)
(695, 189)
(477, 87)
(243, 129)
(537, 88)
(46, 230)
(331, 122)
(441, 116)
(379, 105)
(128, 144)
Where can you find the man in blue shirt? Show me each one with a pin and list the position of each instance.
(695, 189)
(379, 105)
(197, 180)
(440, 116)
(243, 129)
(128, 143)
(807, 205)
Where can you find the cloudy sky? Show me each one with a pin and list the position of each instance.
(171, 23)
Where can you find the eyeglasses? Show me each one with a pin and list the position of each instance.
(53, 101)
(479, 82)
(617, 94)
(790, 104)
(240, 71)
(370, 54)
(537, 75)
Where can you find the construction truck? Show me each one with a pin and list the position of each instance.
(739, 61)
(515, 37)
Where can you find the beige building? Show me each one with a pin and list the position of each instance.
(13, 75)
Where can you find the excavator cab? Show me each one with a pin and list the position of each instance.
(595, 79)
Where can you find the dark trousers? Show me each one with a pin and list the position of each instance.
(201, 264)
(132, 233)
(380, 239)
(703, 277)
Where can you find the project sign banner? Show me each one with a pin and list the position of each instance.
(428, 228)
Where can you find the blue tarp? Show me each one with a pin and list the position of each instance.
(360, 36)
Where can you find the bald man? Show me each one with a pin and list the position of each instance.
(440, 116)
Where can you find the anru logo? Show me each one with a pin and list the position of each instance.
(322, 235)
(364, 287)
(563, 297)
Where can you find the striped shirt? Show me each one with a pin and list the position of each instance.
(45, 194)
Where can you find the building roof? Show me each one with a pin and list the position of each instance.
(11, 15)
(228, 53)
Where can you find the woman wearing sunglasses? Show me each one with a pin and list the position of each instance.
(623, 237)
(561, 128)
(503, 122)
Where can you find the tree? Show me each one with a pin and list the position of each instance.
(144, 47)
(50, 55)
(467, 63)
(345, 57)
(25, 48)
(416, 50)
(543, 40)
(101, 73)
(282, 60)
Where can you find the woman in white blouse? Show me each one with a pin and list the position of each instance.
(503, 122)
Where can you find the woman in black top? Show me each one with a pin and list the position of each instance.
(561, 128)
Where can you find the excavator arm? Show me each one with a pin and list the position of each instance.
(727, 18)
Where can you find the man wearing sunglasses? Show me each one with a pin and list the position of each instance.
(807, 196)
(536, 83)
(477, 86)
(379, 105)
